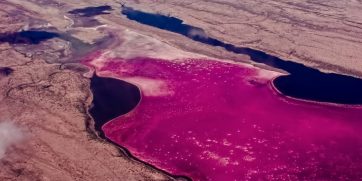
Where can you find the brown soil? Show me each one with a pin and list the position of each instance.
(50, 101)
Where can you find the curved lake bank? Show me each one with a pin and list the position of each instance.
(111, 98)
(216, 121)
(302, 83)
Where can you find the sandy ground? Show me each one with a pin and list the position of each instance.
(49, 103)
(323, 34)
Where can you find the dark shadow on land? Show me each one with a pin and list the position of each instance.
(302, 83)
(27, 37)
(91, 11)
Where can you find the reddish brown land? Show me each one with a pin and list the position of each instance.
(45, 93)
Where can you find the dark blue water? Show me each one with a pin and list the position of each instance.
(303, 82)
(108, 103)
(6, 71)
(36, 36)
(27, 37)
(91, 11)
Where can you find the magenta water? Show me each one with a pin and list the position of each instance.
(210, 120)
(303, 82)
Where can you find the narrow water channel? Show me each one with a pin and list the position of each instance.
(303, 82)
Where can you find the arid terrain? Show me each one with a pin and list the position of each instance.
(323, 34)
(46, 93)
(49, 103)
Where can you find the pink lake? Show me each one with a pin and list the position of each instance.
(211, 120)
